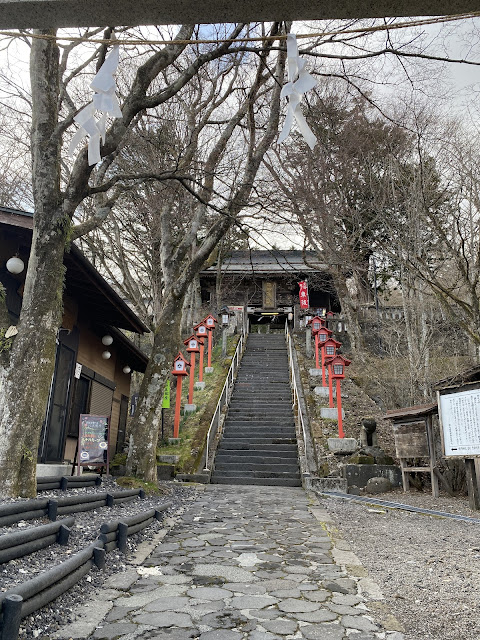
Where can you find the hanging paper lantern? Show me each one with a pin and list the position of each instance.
(15, 265)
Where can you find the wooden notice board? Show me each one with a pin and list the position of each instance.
(93, 441)
(460, 422)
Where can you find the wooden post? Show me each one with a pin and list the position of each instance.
(178, 402)
(200, 364)
(192, 377)
(433, 459)
(324, 381)
(317, 363)
(209, 359)
(330, 387)
(472, 484)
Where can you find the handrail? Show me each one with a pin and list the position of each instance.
(294, 385)
(224, 393)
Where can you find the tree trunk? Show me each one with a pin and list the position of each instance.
(25, 380)
(350, 312)
(141, 460)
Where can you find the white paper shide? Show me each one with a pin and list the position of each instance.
(105, 102)
(299, 82)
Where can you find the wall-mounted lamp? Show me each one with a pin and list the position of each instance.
(106, 355)
(15, 265)
(126, 369)
(107, 340)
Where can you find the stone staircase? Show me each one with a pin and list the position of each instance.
(259, 445)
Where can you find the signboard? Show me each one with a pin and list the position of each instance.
(93, 438)
(411, 440)
(133, 403)
(303, 294)
(78, 370)
(166, 396)
(460, 421)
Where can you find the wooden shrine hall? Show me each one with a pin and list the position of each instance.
(265, 284)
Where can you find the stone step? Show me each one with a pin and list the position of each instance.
(266, 482)
(269, 468)
(248, 422)
(249, 455)
(264, 415)
(259, 433)
(257, 474)
(253, 443)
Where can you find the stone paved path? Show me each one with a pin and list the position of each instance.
(247, 563)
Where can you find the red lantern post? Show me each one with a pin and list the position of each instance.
(209, 322)
(338, 364)
(321, 337)
(201, 332)
(179, 370)
(330, 348)
(192, 345)
(316, 323)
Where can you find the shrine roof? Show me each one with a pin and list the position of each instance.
(258, 262)
(417, 411)
(465, 377)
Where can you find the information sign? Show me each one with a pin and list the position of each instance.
(166, 396)
(93, 437)
(460, 420)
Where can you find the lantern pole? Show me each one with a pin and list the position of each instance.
(192, 377)
(200, 372)
(330, 387)
(339, 410)
(178, 402)
(209, 358)
(324, 381)
(317, 363)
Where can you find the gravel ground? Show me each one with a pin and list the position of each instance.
(427, 567)
(84, 532)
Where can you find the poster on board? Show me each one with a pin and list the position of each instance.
(93, 440)
(460, 423)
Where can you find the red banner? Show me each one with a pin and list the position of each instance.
(304, 304)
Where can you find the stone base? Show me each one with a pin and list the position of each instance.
(173, 440)
(360, 474)
(189, 408)
(315, 372)
(199, 386)
(329, 484)
(208, 370)
(323, 392)
(168, 459)
(342, 445)
(331, 414)
(165, 471)
(202, 478)
(56, 470)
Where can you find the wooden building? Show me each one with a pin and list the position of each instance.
(84, 381)
(265, 284)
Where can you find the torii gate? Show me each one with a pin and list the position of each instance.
(41, 14)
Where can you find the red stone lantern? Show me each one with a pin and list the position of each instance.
(337, 366)
(201, 332)
(179, 370)
(210, 323)
(330, 347)
(193, 346)
(316, 323)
